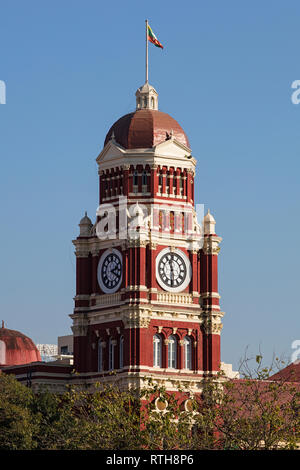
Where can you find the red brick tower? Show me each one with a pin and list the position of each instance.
(147, 301)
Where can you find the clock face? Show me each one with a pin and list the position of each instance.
(173, 270)
(110, 271)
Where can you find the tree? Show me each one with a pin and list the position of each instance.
(255, 412)
(17, 424)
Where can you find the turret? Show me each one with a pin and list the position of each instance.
(85, 226)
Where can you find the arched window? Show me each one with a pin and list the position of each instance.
(100, 356)
(187, 342)
(157, 350)
(121, 356)
(135, 178)
(152, 102)
(160, 179)
(172, 352)
(168, 178)
(144, 178)
(111, 354)
(181, 181)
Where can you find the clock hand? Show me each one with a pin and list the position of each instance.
(172, 272)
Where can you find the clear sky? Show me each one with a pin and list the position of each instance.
(71, 69)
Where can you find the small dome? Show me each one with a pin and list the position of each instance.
(85, 220)
(146, 128)
(85, 226)
(16, 348)
(209, 224)
(209, 218)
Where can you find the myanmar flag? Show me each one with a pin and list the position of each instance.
(152, 38)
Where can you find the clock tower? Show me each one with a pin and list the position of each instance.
(147, 302)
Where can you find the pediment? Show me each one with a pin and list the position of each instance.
(172, 147)
(111, 151)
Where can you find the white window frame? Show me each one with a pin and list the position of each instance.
(157, 351)
(187, 352)
(172, 352)
(100, 356)
(111, 354)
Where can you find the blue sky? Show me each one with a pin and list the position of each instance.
(71, 69)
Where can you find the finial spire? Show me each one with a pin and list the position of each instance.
(3, 324)
(146, 51)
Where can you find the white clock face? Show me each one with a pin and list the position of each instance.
(173, 270)
(110, 271)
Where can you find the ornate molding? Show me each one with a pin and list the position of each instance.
(80, 329)
(211, 245)
(137, 243)
(212, 324)
(81, 297)
(135, 319)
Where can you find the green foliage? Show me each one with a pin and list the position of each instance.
(17, 424)
(252, 413)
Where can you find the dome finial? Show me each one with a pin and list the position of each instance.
(3, 324)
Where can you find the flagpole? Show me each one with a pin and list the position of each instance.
(146, 51)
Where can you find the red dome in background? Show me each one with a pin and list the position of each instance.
(146, 128)
(16, 348)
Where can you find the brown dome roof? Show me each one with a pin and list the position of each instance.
(145, 128)
(16, 348)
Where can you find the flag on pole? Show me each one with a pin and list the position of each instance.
(152, 38)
